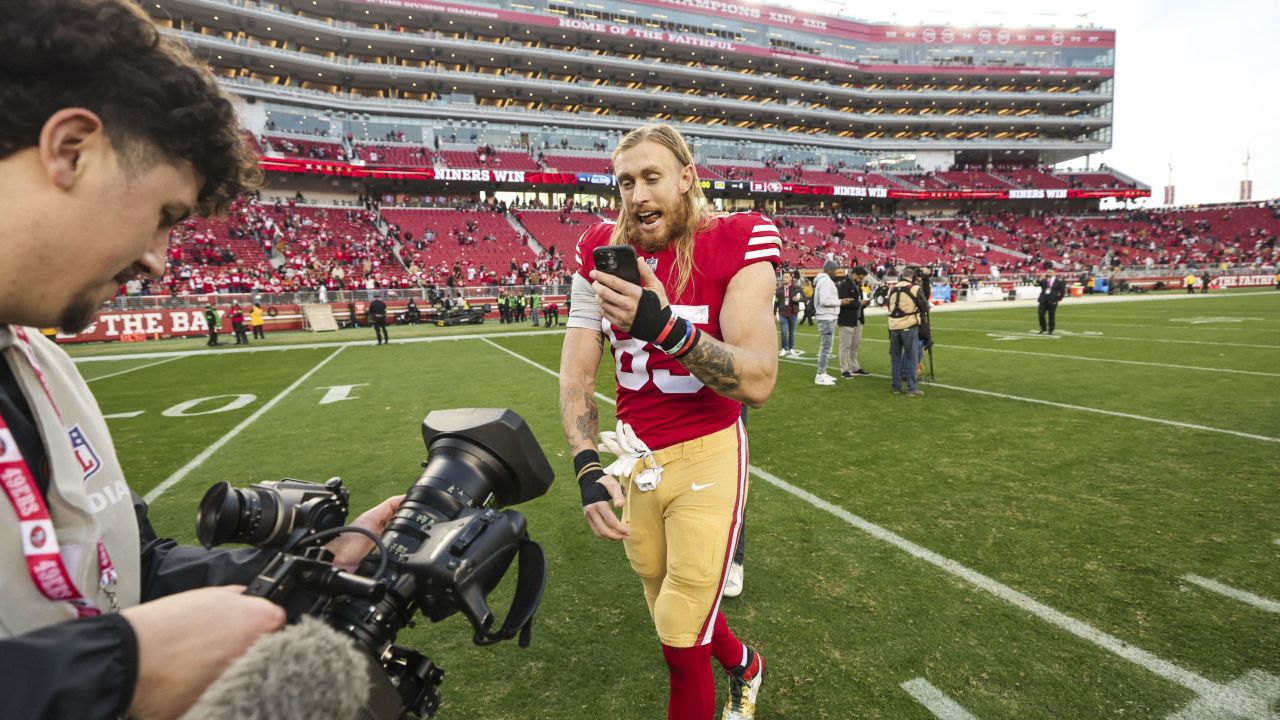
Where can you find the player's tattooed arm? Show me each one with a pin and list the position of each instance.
(743, 366)
(712, 362)
(579, 414)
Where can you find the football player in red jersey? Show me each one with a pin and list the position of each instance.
(689, 347)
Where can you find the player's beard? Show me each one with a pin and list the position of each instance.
(676, 217)
(78, 314)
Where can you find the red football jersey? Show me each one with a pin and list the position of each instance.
(657, 396)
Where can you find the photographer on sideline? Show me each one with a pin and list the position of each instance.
(110, 137)
(905, 308)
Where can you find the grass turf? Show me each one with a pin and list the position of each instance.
(1094, 515)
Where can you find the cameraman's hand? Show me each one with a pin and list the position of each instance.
(186, 640)
(350, 548)
(604, 522)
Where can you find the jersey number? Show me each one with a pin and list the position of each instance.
(639, 374)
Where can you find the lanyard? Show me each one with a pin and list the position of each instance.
(39, 541)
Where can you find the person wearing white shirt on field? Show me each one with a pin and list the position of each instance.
(826, 307)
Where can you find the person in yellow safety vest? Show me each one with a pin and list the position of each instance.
(256, 322)
(1190, 280)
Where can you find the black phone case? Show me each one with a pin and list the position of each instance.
(619, 261)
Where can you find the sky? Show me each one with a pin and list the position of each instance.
(1195, 82)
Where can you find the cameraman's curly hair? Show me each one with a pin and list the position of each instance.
(155, 101)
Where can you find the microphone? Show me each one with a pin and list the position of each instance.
(307, 670)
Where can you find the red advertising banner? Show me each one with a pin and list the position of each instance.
(472, 175)
(138, 325)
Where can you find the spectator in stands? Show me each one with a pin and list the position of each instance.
(851, 320)
(826, 304)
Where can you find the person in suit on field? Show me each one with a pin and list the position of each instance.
(1052, 290)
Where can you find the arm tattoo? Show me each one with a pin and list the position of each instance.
(589, 420)
(712, 362)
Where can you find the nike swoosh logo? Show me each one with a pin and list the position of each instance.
(696, 487)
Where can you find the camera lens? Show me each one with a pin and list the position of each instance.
(230, 515)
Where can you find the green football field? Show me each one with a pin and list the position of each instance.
(1078, 526)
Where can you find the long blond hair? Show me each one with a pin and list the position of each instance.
(696, 212)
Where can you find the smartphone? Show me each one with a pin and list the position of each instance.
(619, 261)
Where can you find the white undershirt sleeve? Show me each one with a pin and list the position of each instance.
(584, 306)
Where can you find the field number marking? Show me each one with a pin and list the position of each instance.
(338, 393)
(183, 409)
(217, 445)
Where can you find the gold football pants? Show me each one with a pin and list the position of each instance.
(684, 531)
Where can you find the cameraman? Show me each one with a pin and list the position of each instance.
(110, 137)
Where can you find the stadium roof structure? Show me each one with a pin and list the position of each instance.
(724, 71)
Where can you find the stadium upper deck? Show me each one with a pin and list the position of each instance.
(759, 76)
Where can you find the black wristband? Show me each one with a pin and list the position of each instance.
(650, 317)
(587, 468)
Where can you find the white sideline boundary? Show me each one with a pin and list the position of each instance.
(1165, 669)
(132, 369)
(208, 452)
(1080, 408)
(306, 346)
(935, 701)
(871, 312)
(1234, 593)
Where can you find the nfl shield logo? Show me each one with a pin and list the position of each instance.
(653, 263)
(85, 454)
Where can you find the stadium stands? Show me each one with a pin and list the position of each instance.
(1033, 178)
(580, 164)
(556, 228)
(395, 154)
(486, 157)
(470, 237)
(304, 147)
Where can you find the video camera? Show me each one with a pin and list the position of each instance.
(445, 550)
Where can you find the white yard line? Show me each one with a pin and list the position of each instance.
(1165, 669)
(132, 369)
(949, 346)
(935, 701)
(1082, 408)
(1074, 303)
(1073, 336)
(306, 346)
(1235, 594)
(208, 452)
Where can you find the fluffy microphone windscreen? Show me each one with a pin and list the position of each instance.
(307, 671)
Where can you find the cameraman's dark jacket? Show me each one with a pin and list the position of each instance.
(86, 669)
